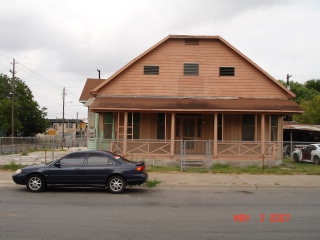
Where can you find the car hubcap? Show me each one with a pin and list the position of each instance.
(35, 183)
(116, 184)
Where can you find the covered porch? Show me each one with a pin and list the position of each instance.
(231, 129)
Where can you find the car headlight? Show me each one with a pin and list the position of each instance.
(18, 171)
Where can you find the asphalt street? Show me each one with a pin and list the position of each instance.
(160, 213)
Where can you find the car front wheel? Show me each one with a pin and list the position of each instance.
(36, 183)
(296, 158)
(116, 184)
(316, 160)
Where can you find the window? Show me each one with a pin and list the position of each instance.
(220, 125)
(274, 128)
(73, 159)
(161, 123)
(248, 127)
(191, 41)
(226, 71)
(108, 125)
(134, 125)
(98, 159)
(191, 69)
(151, 70)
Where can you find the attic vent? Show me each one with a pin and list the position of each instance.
(151, 70)
(226, 71)
(191, 69)
(191, 41)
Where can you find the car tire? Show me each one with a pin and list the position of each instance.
(296, 158)
(316, 160)
(36, 183)
(116, 184)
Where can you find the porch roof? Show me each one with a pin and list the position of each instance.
(148, 104)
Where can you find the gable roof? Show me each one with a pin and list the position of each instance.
(95, 90)
(89, 85)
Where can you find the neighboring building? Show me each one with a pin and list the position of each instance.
(299, 132)
(69, 128)
(189, 95)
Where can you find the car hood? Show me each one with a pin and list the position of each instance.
(33, 167)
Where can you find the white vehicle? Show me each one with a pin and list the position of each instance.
(309, 153)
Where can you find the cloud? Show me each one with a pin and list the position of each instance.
(65, 41)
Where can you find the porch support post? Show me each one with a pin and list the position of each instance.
(280, 137)
(125, 133)
(263, 134)
(215, 136)
(173, 127)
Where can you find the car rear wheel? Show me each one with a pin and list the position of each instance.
(116, 184)
(316, 160)
(36, 183)
(296, 158)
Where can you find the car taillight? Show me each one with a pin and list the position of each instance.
(140, 168)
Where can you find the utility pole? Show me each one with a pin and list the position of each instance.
(63, 101)
(13, 71)
(288, 82)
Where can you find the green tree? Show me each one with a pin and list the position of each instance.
(313, 84)
(302, 92)
(29, 118)
(311, 113)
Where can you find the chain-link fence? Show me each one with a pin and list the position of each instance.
(33, 150)
(180, 153)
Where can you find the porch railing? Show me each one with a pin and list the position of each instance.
(192, 149)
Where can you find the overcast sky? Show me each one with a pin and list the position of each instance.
(61, 43)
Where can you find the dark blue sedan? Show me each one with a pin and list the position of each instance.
(84, 168)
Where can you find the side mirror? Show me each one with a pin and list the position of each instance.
(57, 164)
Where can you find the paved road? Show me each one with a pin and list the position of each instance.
(160, 213)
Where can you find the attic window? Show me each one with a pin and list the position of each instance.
(226, 71)
(191, 41)
(191, 69)
(151, 70)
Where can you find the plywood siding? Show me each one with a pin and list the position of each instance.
(210, 54)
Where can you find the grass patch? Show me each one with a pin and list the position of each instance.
(152, 183)
(163, 168)
(288, 167)
(11, 166)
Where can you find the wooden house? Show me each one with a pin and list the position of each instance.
(194, 96)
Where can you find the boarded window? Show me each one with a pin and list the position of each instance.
(161, 126)
(226, 71)
(151, 70)
(220, 126)
(191, 69)
(133, 125)
(108, 125)
(274, 128)
(248, 122)
(191, 41)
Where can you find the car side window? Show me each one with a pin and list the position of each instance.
(98, 159)
(73, 159)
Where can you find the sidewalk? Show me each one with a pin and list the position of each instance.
(181, 179)
(235, 180)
